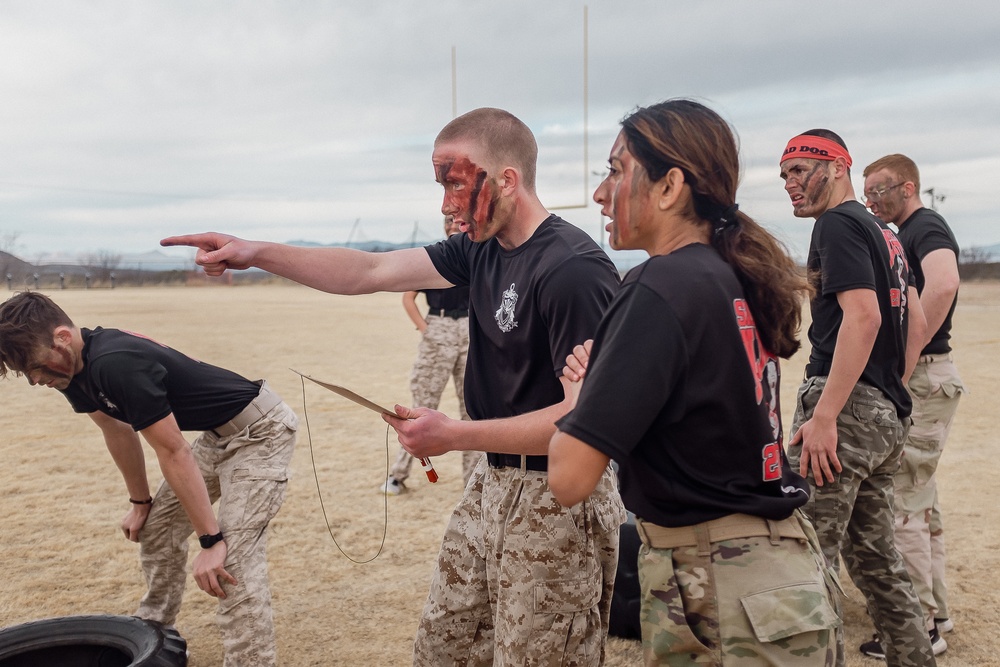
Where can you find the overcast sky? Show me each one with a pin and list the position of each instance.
(123, 122)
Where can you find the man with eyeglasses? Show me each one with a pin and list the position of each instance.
(850, 417)
(892, 192)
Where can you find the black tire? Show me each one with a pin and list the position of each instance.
(625, 601)
(92, 641)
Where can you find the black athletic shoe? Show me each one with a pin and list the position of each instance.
(938, 644)
(873, 649)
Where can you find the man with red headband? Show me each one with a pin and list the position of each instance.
(852, 410)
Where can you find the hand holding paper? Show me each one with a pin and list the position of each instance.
(424, 432)
(392, 418)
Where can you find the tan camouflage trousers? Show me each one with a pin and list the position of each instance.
(520, 580)
(248, 474)
(936, 389)
(441, 355)
(853, 517)
(741, 602)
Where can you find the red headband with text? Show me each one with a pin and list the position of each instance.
(816, 148)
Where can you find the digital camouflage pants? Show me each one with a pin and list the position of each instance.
(746, 601)
(936, 389)
(441, 355)
(248, 474)
(522, 581)
(853, 517)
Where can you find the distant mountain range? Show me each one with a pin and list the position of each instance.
(156, 260)
(153, 260)
(368, 246)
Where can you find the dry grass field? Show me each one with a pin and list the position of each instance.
(62, 499)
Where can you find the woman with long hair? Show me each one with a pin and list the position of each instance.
(681, 390)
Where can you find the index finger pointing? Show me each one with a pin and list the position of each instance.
(187, 240)
(206, 241)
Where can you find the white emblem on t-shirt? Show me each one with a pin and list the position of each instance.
(111, 406)
(505, 314)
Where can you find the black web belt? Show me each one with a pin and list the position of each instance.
(815, 368)
(536, 463)
(453, 314)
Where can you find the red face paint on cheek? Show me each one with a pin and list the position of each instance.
(815, 182)
(474, 195)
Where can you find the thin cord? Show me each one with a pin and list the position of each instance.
(385, 498)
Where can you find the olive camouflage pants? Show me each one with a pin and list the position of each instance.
(853, 516)
(740, 599)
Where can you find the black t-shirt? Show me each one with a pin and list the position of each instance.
(852, 249)
(528, 307)
(921, 234)
(139, 381)
(452, 298)
(681, 393)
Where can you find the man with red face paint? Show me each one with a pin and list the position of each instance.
(520, 579)
(852, 410)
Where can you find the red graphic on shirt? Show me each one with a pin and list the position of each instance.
(772, 462)
(764, 367)
(144, 337)
(755, 353)
(897, 262)
(156, 342)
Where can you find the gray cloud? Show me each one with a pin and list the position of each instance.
(123, 123)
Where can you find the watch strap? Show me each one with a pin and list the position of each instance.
(209, 541)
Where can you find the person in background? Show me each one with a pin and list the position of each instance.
(680, 387)
(892, 191)
(444, 346)
(851, 411)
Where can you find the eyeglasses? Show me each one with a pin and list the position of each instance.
(876, 195)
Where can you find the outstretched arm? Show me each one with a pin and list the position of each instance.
(336, 270)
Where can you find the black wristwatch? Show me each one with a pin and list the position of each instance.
(209, 541)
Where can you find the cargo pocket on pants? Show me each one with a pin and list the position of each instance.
(261, 492)
(565, 620)
(919, 460)
(783, 612)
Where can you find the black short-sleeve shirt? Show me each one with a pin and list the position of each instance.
(139, 381)
(682, 394)
(528, 307)
(921, 234)
(852, 249)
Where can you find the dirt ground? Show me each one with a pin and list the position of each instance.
(63, 554)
